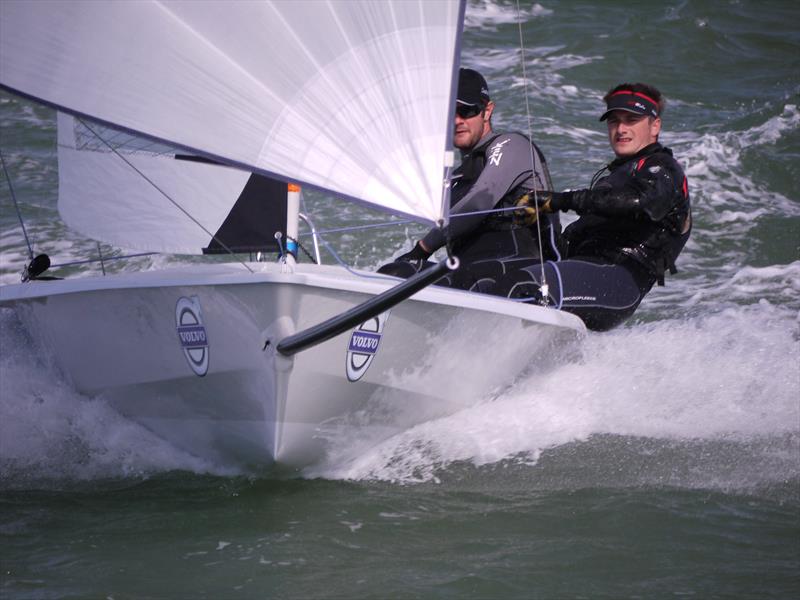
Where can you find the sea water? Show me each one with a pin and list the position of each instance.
(663, 460)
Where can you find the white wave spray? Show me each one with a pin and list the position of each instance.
(731, 377)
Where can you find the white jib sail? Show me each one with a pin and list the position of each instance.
(104, 195)
(349, 96)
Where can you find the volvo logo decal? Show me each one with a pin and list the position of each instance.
(192, 333)
(364, 343)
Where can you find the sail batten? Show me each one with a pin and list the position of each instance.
(349, 96)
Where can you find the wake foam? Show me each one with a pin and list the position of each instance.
(705, 401)
(699, 383)
(487, 15)
(713, 163)
(50, 434)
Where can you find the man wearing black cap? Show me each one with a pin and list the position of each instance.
(496, 171)
(633, 222)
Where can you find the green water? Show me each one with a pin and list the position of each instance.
(479, 536)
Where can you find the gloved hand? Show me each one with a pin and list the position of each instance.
(550, 202)
(544, 200)
(417, 253)
(530, 205)
(407, 264)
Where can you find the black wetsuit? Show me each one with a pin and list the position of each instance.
(634, 222)
(493, 175)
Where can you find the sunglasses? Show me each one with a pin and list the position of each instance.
(466, 111)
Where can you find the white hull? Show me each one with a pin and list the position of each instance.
(117, 337)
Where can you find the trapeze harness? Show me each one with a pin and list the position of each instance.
(634, 222)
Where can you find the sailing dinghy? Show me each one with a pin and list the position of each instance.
(176, 122)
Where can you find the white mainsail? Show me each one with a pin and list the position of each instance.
(349, 96)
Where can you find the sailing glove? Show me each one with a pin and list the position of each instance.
(417, 253)
(544, 201)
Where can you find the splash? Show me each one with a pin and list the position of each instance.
(50, 434)
(714, 165)
(674, 384)
(486, 15)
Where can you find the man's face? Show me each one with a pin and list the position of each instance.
(628, 132)
(469, 130)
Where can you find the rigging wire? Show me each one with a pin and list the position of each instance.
(406, 221)
(544, 286)
(104, 259)
(30, 247)
(16, 206)
(167, 196)
(360, 227)
(347, 267)
(302, 234)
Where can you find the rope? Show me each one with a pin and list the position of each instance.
(343, 264)
(104, 258)
(319, 233)
(16, 206)
(406, 222)
(303, 248)
(358, 227)
(347, 267)
(560, 285)
(544, 285)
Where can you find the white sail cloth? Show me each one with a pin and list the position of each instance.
(349, 96)
(138, 196)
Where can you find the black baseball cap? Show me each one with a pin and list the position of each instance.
(633, 102)
(472, 88)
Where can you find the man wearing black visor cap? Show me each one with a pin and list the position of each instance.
(634, 220)
(496, 170)
(637, 103)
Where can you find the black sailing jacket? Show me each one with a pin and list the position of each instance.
(639, 212)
